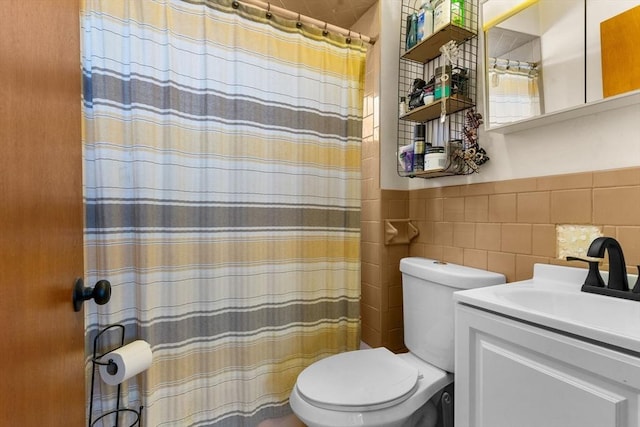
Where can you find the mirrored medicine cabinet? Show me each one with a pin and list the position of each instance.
(542, 61)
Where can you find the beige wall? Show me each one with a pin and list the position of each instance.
(370, 215)
(381, 304)
(508, 226)
(504, 226)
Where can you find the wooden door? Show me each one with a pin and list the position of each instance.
(41, 214)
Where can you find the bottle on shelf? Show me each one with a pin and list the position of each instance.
(441, 14)
(418, 147)
(425, 21)
(412, 30)
(405, 158)
(457, 12)
(402, 108)
(447, 12)
(443, 82)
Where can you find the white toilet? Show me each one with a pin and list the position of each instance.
(376, 387)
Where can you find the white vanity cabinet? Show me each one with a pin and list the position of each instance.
(513, 373)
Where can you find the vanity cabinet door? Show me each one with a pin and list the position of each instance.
(509, 373)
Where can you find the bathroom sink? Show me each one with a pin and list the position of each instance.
(552, 298)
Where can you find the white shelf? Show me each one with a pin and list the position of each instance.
(602, 105)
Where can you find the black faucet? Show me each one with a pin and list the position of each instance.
(617, 267)
(618, 284)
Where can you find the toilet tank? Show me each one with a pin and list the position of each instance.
(427, 292)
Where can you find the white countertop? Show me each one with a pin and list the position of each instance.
(552, 298)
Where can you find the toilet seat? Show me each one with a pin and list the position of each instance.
(358, 381)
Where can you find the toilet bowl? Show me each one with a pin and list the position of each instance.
(376, 387)
(390, 387)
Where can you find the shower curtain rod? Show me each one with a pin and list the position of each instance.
(286, 13)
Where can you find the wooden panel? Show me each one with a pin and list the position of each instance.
(42, 356)
(620, 53)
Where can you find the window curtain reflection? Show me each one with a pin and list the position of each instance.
(513, 91)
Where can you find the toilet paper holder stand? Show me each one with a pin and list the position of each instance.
(96, 361)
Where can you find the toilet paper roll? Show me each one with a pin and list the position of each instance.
(129, 360)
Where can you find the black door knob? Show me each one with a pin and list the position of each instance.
(100, 293)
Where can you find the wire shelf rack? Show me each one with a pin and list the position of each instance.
(448, 120)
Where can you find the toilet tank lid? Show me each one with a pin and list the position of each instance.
(452, 275)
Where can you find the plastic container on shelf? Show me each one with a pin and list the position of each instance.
(443, 82)
(402, 107)
(447, 12)
(418, 147)
(425, 21)
(405, 158)
(457, 12)
(441, 14)
(435, 159)
(412, 30)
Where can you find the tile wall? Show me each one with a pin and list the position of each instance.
(372, 249)
(505, 226)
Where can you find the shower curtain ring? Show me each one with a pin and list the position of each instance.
(269, 14)
(349, 37)
(235, 5)
(299, 23)
(325, 32)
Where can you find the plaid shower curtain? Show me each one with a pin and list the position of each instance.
(222, 193)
